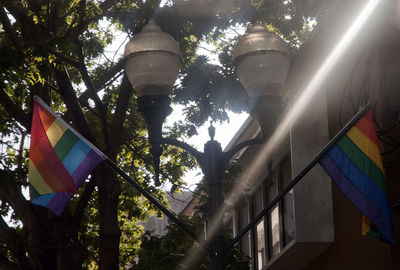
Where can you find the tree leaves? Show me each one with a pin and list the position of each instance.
(55, 49)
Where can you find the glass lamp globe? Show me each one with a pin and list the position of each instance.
(261, 58)
(153, 59)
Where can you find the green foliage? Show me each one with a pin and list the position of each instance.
(209, 88)
(56, 50)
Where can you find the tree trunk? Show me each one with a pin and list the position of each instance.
(109, 190)
(71, 257)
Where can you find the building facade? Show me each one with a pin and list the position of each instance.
(315, 226)
(178, 203)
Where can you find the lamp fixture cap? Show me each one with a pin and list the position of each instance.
(259, 39)
(152, 38)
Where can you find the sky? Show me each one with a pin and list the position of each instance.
(223, 134)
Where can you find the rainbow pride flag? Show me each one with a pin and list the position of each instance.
(355, 165)
(59, 159)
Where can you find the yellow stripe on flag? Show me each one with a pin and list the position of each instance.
(37, 180)
(366, 145)
(55, 131)
(365, 225)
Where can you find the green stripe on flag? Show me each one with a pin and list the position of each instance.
(374, 232)
(33, 193)
(362, 161)
(65, 144)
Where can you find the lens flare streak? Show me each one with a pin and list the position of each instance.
(299, 106)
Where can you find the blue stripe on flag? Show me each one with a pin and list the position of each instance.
(76, 156)
(43, 200)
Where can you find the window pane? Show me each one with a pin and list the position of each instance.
(275, 232)
(287, 202)
(243, 221)
(288, 218)
(272, 186)
(260, 245)
(229, 228)
(258, 202)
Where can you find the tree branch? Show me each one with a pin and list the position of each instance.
(14, 243)
(83, 201)
(107, 76)
(17, 12)
(11, 193)
(69, 97)
(53, 20)
(13, 109)
(88, 82)
(12, 35)
(7, 235)
(121, 108)
(70, 61)
(107, 4)
(6, 264)
(81, 13)
(83, 24)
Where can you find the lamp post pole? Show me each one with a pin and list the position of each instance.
(152, 63)
(213, 162)
(214, 172)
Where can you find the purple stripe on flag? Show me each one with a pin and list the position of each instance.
(372, 212)
(90, 162)
(60, 200)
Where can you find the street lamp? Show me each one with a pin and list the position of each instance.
(153, 59)
(152, 64)
(261, 58)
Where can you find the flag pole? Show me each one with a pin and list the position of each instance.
(292, 183)
(134, 183)
(153, 200)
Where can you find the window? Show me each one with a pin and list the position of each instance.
(260, 248)
(261, 258)
(275, 241)
(243, 221)
(280, 218)
(276, 230)
(300, 226)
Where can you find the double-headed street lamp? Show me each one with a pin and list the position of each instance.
(153, 60)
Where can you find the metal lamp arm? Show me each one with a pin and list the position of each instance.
(229, 154)
(197, 154)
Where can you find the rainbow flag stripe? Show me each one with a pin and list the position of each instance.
(59, 159)
(355, 165)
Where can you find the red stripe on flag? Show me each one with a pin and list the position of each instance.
(40, 141)
(367, 126)
(46, 118)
